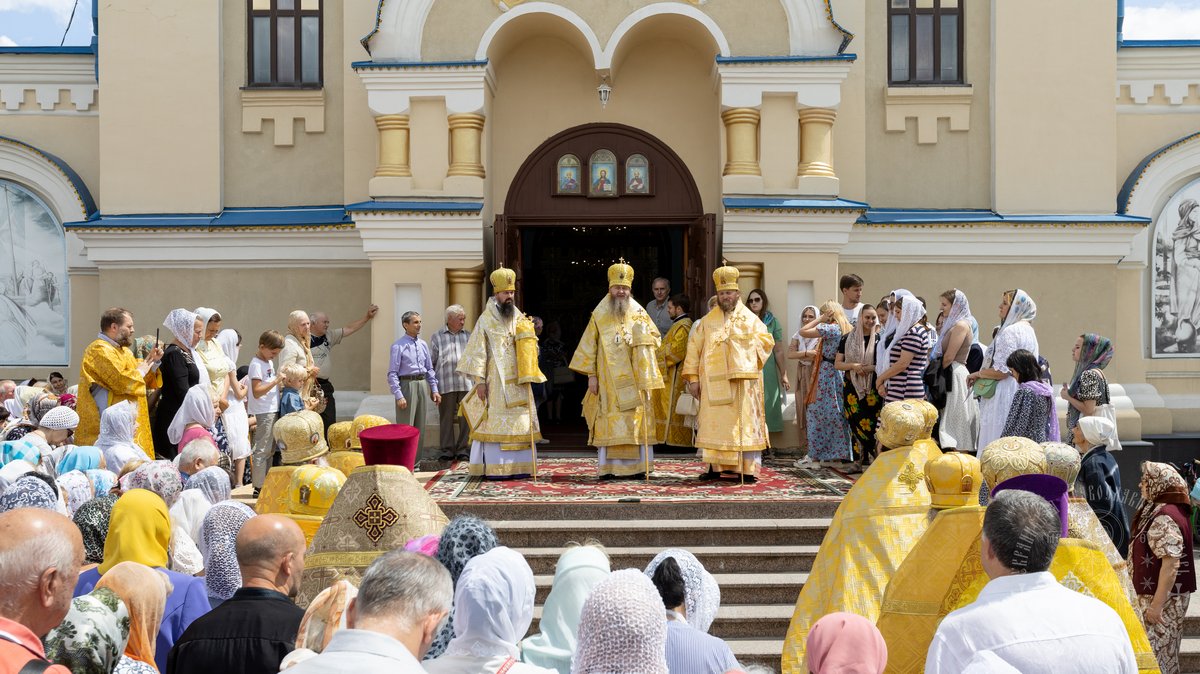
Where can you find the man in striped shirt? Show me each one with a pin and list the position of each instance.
(446, 347)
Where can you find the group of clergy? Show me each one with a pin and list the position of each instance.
(636, 376)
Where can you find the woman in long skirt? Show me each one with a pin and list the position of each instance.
(803, 351)
(1017, 311)
(861, 402)
(959, 418)
(775, 379)
(828, 433)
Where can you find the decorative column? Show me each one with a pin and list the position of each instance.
(466, 141)
(466, 289)
(750, 276)
(741, 142)
(393, 146)
(815, 170)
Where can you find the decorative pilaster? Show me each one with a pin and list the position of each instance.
(393, 146)
(466, 141)
(750, 277)
(742, 173)
(466, 288)
(815, 169)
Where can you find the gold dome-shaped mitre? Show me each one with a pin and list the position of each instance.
(1062, 461)
(900, 424)
(620, 274)
(953, 480)
(1010, 457)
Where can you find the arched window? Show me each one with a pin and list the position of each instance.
(33, 281)
(1175, 290)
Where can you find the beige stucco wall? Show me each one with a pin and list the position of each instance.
(250, 301)
(900, 173)
(664, 87)
(1052, 117)
(454, 30)
(1140, 134)
(71, 138)
(160, 134)
(256, 171)
(359, 138)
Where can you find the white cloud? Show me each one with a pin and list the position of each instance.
(6, 41)
(60, 8)
(1169, 21)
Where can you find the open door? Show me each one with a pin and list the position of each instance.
(701, 254)
(507, 247)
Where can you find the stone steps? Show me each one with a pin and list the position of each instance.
(737, 589)
(717, 559)
(750, 621)
(689, 533)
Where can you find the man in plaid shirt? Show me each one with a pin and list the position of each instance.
(446, 348)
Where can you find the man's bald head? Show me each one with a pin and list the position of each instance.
(8, 388)
(40, 555)
(270, 552)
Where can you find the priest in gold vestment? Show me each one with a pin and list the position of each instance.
(111, 374)
(500, 409)
(880, 520)
(671, 426)
(617, 353)
(725, 356)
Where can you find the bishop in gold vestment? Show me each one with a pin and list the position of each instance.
(111, 374)
(617, 353)
(671, 352)
(725, 356)
(500, 408)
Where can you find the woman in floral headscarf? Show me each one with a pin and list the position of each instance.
(179, 373)
(1088, 387)
(1161, 559)
(92, 638)
(464, 538)
(92, 519)
(1017, 311)
(160, 477)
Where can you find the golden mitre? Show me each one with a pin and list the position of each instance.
(503, 280)
(1062, 461)
(1009, 457)
(953, 480)
(620, 274)
(900, 424)
(726, 277)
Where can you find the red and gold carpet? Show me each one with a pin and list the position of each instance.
(672, 480)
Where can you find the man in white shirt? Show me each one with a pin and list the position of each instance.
(851, 286)
(401, 603)
(1023, 615)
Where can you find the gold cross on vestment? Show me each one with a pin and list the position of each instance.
(910, 477)
(375, 516)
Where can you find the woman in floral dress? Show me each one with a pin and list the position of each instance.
(861, 402)
(828, 432)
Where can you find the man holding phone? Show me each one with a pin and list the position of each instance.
(111, 374)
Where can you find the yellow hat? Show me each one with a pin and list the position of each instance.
(1010, 457)
(1062, 461)
(362, 423)
(299, 436)
(953, 480)
(503, 279)
(339, 435)
(346, 460)
(620, 274)
(931, 416)
(313, 489)
(900, 424)
(726, 277)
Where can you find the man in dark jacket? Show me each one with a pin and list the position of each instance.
(256, 628)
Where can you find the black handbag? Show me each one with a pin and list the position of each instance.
(938, 382)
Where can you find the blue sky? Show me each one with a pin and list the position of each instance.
(42, 22)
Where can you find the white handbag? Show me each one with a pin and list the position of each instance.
(789, 406)
(687, 405)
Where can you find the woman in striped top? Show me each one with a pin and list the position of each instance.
(908, 354)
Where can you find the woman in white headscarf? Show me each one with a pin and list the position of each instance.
(907, 355)
(888, 334)
(118, 425)
(218, 543)
(493, 609)
(194, 418)
(179, 373)
(803, 350)
(234, 420)
(579, 570)
(187, 518)
(703, 593)
(621, 628)
(688, 648)
(958, 420)
(1017, 311)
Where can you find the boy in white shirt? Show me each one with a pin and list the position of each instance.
(263, 403)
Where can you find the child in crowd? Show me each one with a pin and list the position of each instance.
(292, 376)
(264, 403)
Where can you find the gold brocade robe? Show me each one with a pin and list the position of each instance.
(115, 370)
(880, 520)
(671, 353)
(621, 356)
(726, 355)
(491, 356)
(943, 572)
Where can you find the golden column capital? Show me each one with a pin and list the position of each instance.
(816, 142)
(750, 276)
(466, 141)
(393, 146)
(741, 142)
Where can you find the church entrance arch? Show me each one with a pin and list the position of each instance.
(587, 197)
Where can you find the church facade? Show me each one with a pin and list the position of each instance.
(259, 156)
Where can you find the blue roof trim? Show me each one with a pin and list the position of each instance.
(899, 216)
(1157, 44)
(791, 203)
(81, 188)
(1136, 175)
(415, 207)
(785, 59)
(364, 65)
(48, 50)
(282, 216)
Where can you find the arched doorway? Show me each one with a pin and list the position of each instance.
(561, 230)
